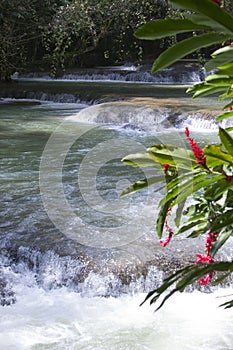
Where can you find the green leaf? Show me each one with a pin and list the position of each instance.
(179, 212)
(226, 140)
(209, 9)
(185, 47)
(199, 271)
(184, 277)
(215, 156)
(214, 192)
(139, 185)
(222, 51)
(223, 220)
(204, 89)
(215, 79)
(228, 93)
(218, 62)
(181, 186)
(227, 304)
(226, 69)
(139, 160)
(172, 155)
(222, 238)
(224, 116)
(197, 184)
(165, 27)
(199, 231)
(206, 21)
(220, 279)
(161, 218)
(192, 224)
(229, 200)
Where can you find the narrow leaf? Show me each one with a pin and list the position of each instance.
(197, 185)
(191, 225)
(139, 185)
(179, 213)
(224, 116)
(227, 140)
(223, 220)
(161, 218)
(223, 237)
(215, 79)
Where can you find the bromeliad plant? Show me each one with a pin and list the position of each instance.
(203, 175)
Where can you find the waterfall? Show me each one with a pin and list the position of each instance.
(185, 73)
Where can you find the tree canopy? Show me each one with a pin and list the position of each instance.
(54, 34)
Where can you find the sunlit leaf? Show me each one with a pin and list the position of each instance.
(223, 51)
(173, 155)
(224, 116)
(215, 79)
(204, 89)
(139, 160)
(226, 69)
(215, 156)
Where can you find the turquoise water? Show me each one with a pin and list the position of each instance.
(48, 158)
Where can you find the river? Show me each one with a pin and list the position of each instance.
(76, 261)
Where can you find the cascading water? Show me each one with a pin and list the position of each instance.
(67, 283)
(183, 73)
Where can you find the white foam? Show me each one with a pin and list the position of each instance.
(61, 319)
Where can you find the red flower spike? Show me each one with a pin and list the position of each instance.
(207, 279)
(187, 131)
(230, 107)
(197, 151)
(168, 229)
(165, 168)
(204, 258)
(210, 238)
(167, 240)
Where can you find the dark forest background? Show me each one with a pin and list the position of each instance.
(59, 35)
